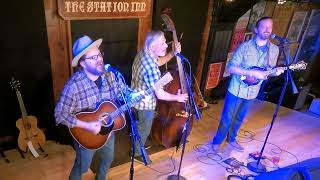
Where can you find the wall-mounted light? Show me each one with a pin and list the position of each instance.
(281, 1)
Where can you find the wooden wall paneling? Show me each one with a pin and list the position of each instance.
(57, 40)
(218, 53)
(69, 46)
(60, 43)
(204, 44)
(269, 9)
(281, 18)
(145, 25)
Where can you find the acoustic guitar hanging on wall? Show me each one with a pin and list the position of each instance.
(30, 136)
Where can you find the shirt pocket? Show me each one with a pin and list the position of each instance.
(249, 60)
(90, 103)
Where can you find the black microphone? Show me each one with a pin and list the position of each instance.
(280, 39)
(108, 67)
(284, 40)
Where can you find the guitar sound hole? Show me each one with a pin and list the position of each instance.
(105, 118)
(105, 130)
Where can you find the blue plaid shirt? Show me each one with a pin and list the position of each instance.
(145, 73)
(248, 54)
(82, 94)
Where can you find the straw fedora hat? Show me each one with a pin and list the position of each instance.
(81, 46)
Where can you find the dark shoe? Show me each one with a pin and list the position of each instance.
(216, 148)
(139, 159)
(236, 146)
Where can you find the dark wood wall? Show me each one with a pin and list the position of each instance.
(120, 38)
(25, 55)
(189, 18)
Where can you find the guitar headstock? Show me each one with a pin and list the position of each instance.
(15, 84)
(169, 23)
(299, 66)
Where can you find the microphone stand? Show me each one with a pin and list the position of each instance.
(134, 134)
(257, 166)
(186, 127)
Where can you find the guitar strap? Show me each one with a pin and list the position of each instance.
(268, 53)
(262, 61)
(112, 87)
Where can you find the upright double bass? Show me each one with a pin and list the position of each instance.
(168, 125)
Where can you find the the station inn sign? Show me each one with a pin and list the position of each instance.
(102, 9)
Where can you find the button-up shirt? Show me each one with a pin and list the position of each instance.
(249, 54)
(82, 94)
(145, 73)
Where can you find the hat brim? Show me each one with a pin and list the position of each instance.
(75, 60)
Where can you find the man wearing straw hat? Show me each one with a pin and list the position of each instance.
(85, 89)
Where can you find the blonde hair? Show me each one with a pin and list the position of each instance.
(150, 39)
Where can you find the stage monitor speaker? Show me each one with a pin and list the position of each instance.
(315, 106)
(303, 93)
(305, 170)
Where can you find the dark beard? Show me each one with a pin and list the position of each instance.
(264, 37)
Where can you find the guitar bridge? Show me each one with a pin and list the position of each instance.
(183, 114)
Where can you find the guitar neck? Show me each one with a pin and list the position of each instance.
(159, 84)
(180, 67)
(181, 76)
(21, 104)
(124, 107)
(284, 68)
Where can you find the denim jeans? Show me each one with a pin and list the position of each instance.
(103, 156)
(144, 124)
(233, 114)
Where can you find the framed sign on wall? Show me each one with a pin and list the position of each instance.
(213, 75)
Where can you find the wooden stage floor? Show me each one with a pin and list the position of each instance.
(294, 138)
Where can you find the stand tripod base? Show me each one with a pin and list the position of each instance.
(255, 167)
(176, 177)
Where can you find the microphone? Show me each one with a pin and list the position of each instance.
(108, 67)
(280, 39)
(284, 40)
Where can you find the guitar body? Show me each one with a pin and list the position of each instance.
(167, 126)
(111, 116)
(249, 80)
(29, 132)
(91, 141)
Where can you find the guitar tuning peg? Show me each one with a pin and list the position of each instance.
(181, 35)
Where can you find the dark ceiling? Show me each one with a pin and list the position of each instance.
(227, 12)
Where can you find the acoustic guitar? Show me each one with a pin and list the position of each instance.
(250, 81)
(111, 116)
(30, 135)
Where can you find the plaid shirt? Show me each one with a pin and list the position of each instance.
(145, 73)
(82, 94)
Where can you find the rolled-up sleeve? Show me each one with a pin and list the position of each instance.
(65, 108)
(236, 58)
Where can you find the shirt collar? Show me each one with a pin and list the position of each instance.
(259, 47)
(153, 57)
